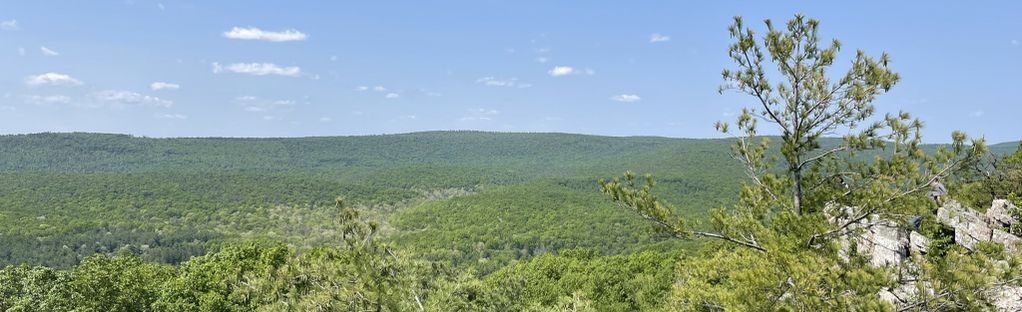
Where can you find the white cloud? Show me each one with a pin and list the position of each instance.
(428, 92)
(9, 25)
(561, 71)
(389, 95)
(21, 51)
(654, 38)
(47, 52)
(160, 6)
(257, 105)
(1014, 42)
(156, 86)
(171, 116)
(253, 33)
(367, 88)
(325, 119)
(542, 59)
(627, 98)
(47, 99)
(52, 79)
(558, 71)
(495, 82)
(480, 114)
(258, 69)
(121, 99)
(333, 58)
(978, 113)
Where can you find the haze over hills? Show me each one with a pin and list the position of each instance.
(96, 152)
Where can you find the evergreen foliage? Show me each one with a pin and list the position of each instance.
(780, 246)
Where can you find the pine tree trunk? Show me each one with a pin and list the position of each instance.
(797, 173)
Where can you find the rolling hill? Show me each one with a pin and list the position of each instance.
(471, 198)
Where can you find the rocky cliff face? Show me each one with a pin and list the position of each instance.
(971, 227)
(889, 244)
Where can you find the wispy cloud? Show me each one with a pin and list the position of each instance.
(389, 94)
(171, 116)
(654, 38)
(258, 69)
(157, 86)
(497, 82)
(977, 114)
(626, 98)
(47, 99)
(480, 114)
(54, 79)
(122, 99)
(561, 71)
(431, 93)
(257, 105)
(47, 52)
(253, 33)
(21, 51)
(9, 25)
(1014, 42)
(367, 88)
(325, 119)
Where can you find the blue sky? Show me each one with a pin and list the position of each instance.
(301, 68)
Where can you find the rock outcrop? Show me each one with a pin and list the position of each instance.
(889, 244)
(1000, 213)
(971, 227)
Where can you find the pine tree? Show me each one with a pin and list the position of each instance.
(780, 246)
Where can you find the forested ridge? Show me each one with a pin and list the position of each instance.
(84, 193)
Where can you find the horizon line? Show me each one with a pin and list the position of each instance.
(420, 132)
